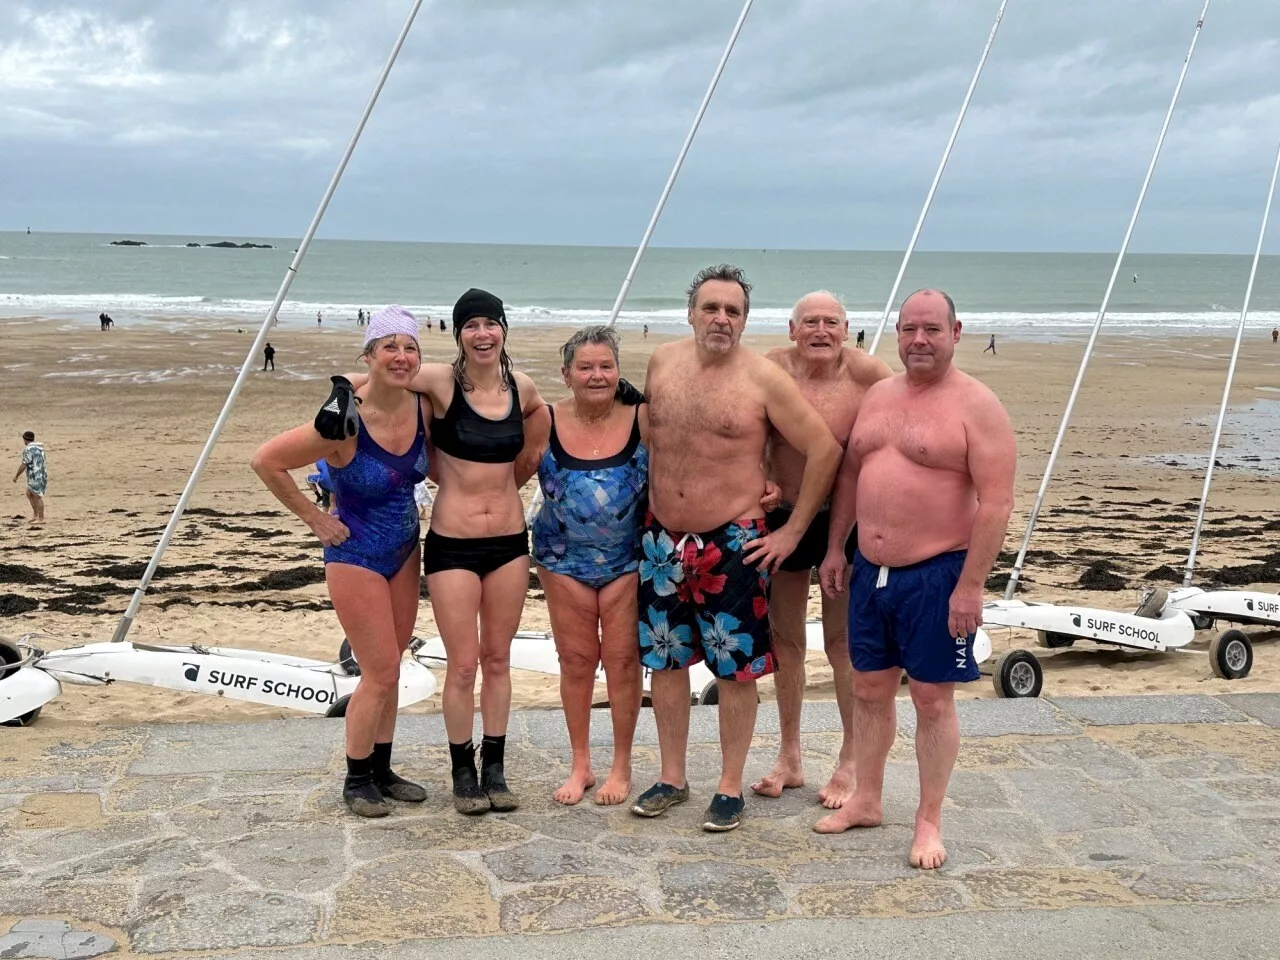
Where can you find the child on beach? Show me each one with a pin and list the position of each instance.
(37, 479)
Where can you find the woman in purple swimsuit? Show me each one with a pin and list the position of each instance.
(371, 549)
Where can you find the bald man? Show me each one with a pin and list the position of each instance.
(928, 473)
(833, 379)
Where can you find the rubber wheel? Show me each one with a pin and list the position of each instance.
(339, 708)
(1054, 641)
(26, 720)
(347, 659)
(1231, 655)
(710, 695)
(8, 656)
(1201, 622)
(1017, 675)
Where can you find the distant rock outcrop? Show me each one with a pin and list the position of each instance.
(128, 243)
(229, 245)
(193, 244)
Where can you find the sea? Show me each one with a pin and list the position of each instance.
(70, 278)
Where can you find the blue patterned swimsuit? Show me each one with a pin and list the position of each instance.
(589, 526)
(375, 501)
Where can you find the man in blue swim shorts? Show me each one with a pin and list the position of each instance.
(928, 473)
(706, 555)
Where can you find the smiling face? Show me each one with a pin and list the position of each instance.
(718, 316)
(481, 340)
(593, 374)
(394, 359)
(927, 335)
(819, 327)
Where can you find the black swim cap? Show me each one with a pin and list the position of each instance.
(477, 303)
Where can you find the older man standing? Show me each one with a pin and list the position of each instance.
(704, 576)
(928, 473)
(833, 379)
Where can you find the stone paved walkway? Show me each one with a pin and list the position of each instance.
(1157, 818)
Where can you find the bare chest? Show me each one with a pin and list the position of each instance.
(688, 412)
(927, 434)
(836, 402)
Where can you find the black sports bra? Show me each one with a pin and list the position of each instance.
(465, 434)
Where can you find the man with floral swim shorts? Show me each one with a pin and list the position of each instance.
(706, 554)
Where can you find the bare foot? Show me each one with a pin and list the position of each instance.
(785, 773)
(839, 789)
(927, 851)
(616, 789)
(571, 791)
(853, 814)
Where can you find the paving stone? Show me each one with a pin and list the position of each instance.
(586, 824)
(1122, 845)
(385, 901)
(374, 839)
(978, 790)
(571, 906)
(107, 904)
(43, 811)
(159, 855)
(547, 859)
(169, 891)
(160, 793)
(997, 837)
(879, 866)
(272, 781)
(1097, 760)
(1247, 790)
(721, 890)
(1213, 839)
(996, 753)
(224, 818)
(40, 850)
(1204, 766)
(913, 896)
(1066, 802)
(202, 748)
(997, 718)
(288, 858)
(1168, 800)
(236, 919)
(1050, 888)
(55, 939)
(1155, 708)
(1260, 706)
(1206, 883)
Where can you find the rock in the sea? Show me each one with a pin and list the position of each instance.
(193, 244)
(128, 243)
(229, 245)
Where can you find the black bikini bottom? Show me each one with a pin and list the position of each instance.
(479, 555)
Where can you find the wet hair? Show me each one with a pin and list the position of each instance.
(28, 437)
(460, 362)
(726, 272)
(795, 311)
(595, 336)
(951, 304)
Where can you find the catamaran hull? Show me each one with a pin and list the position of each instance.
(1234, 606)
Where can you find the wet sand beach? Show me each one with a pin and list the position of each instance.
(124, 414)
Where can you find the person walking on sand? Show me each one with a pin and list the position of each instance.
(991, 345)
(371, 552)
(833, 378)
(1275, 334)
(268, 356)
(928, 473)
(33, 464)
(862, 338)
(707, 556)
(645, 334)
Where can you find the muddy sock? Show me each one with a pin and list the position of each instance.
(360, 792)
(359, 771)
(391, 783)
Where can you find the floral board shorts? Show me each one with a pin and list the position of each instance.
(699, 601)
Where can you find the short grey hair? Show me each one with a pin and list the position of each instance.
(596, 336)
(951, 304)
(795, 311)
(726, 272)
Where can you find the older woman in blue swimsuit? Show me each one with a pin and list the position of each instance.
(371, 545)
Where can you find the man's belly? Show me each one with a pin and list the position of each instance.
(908, 513)
(699, 500)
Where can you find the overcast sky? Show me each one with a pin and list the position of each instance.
(557, 121)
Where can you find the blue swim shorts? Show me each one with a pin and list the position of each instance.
(898, 618)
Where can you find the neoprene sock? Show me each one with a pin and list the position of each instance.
(360, 792)
(468, 798)
(389, 782)
(493, 779)
(492, 749)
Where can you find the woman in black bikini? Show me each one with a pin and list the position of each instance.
(476, 552)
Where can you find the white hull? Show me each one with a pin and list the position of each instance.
(1171, 630)
(1234, 606)
(24, 690)
(297, 683)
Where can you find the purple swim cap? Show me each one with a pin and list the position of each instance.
(389, 321)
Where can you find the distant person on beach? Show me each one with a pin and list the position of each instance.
(442, 328)
(33, 465)
(991, 345)
(928, 474)
(371, 550)
(1275, 334)
(104, 321)
(862, 336)
(833, 378)
(268, 356)
(645, 335)
(476, 552)
(708, 556)
(319, 318)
